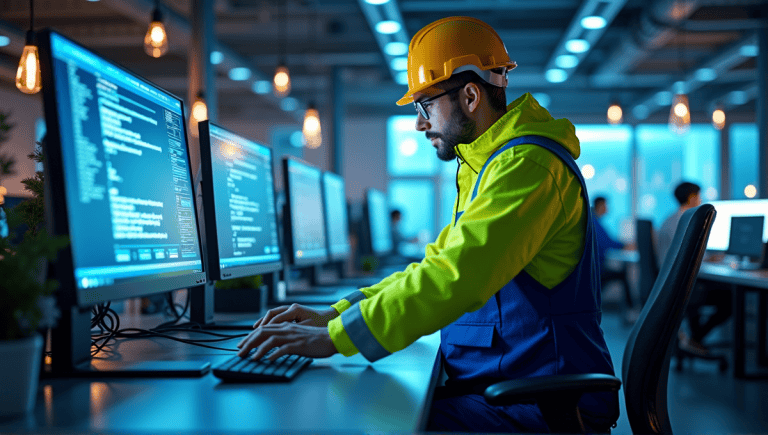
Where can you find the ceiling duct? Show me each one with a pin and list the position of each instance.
(654, 30)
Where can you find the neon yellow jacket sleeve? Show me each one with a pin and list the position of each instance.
(517, 211)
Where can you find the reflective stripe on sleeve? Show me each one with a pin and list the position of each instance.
(355, 297)
(361, 336)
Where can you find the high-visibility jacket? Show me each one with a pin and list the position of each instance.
(527, 220)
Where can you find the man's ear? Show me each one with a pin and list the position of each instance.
(472, 96)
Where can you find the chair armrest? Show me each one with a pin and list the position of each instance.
(533, 389)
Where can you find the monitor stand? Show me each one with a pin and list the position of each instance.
(202, 306)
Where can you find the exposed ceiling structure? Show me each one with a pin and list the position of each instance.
(646, 51)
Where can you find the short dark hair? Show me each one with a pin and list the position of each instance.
(497, 97)
(684, 190)
(599, 200)
(395, 213)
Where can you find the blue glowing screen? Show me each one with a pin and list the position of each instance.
(127, 182)
(336, 214)
(378, 221)
(244, 199)
(307, 221)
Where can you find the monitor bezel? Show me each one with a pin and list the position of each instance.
(288, 217)
(331, 255)
(368, 223)
(55, 198)
(757, 254)
(726, 203)
(209, 212)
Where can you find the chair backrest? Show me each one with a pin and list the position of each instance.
(645, 366)
(649, 267)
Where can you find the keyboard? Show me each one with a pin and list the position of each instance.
(283, 369)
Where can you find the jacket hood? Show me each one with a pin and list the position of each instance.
(524, 116)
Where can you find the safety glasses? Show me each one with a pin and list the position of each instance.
(419, 105)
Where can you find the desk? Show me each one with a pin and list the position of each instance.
(332, 395)
(741, 282)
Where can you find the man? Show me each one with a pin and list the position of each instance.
(688, 195)
(604, 240)
(511, 282)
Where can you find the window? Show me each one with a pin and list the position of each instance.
(665, 159)
(743, 160)
(605, 163)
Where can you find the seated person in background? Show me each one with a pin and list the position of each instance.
(688, 195)
(395, 217)
(604, 240)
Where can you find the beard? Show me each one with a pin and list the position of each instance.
(460, 129)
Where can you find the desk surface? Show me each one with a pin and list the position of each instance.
(727, 274)
(331, 395)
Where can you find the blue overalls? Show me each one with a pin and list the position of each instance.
(527, 330)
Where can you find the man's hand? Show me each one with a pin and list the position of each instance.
(298, 314)
(290, 339)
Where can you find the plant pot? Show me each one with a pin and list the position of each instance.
(20, 368)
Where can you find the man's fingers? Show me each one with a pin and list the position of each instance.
(268, 344)
(291, 348)
(306, 322)
(270, 314)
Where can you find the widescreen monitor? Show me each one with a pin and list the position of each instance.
(304, 218)
(337, 226)
(721, 228)
(239, 204)
(379, 227)
(119, 176)
(746, 238)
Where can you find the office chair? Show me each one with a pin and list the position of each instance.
(645, 366)
(649, 266)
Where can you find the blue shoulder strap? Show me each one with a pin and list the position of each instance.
(543, 142)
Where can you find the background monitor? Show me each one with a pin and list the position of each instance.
(304, 217)
(119, 178)
(239, 204)
(337, 225)
(379, 226)
(746, 238)
(721, 229)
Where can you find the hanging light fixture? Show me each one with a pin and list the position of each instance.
(281, 83)
(680, 114)
(156, 40)
(680, 111)
(311, 130)
(28, 78)
(199, 113)
(615, 115)
(718, 118)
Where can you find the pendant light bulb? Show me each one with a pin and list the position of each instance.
(28, 78)
(156, 39)
(281, 82)
(615, 115)
(680, 114)
(718, 119)
(312, 132)
(199, 113)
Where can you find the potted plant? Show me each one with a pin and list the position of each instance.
(27, 299)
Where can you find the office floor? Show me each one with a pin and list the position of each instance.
(701, 400)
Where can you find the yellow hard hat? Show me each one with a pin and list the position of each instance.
(453, 45)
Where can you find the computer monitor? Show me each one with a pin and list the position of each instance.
(118, 184)
(239, 205)
(726, 209)
(304, 216)
(337, 226)
(746, 238)
(378, 223)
